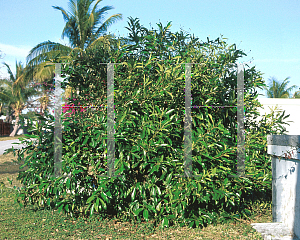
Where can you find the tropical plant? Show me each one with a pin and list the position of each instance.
(280, 90)
(30, 114)
(46, 88)
(149, 131)
(27, 78)
(2, 100)
(296, 94)
(84, 28)
(5, 101)
(16, 92)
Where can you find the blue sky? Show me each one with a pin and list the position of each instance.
(267, 31)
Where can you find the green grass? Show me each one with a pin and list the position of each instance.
(36, 223)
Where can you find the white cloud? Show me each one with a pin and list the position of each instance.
(10, 54)
(15, 51)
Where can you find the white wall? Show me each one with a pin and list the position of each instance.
(285, 181)
(291, 106)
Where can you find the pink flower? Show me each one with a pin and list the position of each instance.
(66, 108)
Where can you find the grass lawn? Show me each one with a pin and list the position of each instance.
(34, 223)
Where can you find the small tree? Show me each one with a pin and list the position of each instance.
(6, 101)
(17, 93)
(280, 90)
(84, 28)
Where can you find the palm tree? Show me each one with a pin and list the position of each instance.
(5, 101)
(43, 76)
(296, 94)
(45, 91)
(83, 30)
(16, 92)
(279, 90)
(2, 102)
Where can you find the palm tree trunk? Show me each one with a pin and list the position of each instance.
(40, 114)
(1, 107)
(44, 101)
(16, 127)
(9, 116)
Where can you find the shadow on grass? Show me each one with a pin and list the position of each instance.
(12, 168)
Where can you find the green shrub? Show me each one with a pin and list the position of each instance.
(149, 129)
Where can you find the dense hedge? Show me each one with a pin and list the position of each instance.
(149, 129)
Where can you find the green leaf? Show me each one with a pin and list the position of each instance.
(146, 214)
(133, 194)
(68, 183)
(91, 198)
(103, 203)
(165, 222)
(191, 224)
(137, 212)
(103, 195)
(158, 190)
(97, 204)
(92, 210)
(212, 121)
(204, 143)
(171, 96)
(168, 112)
(93, 143)
(67, 207)
(224, 168)
(158, 207)
(225, 181)
(85, 140)
(168, 179)
(60, 208)
(153, 191)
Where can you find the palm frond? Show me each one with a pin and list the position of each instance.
(95, 6)
(297, 94)
(279, 90)
(103, 28)
(4, 94)
(64, 13)
(99, 14)
(71, 31)
(38, 54)
(11, 75)
(103, 39)
(82, 29)
(43, 72)
(73, 7)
